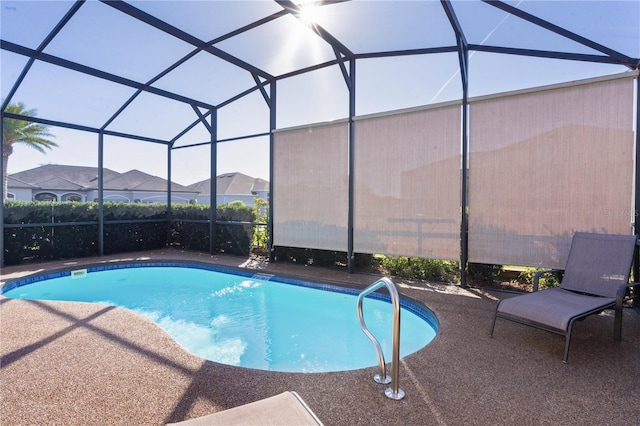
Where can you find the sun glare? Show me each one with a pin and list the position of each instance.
(308, 13)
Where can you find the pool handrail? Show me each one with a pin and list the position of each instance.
(393, 392)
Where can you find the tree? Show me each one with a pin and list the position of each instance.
(14, 131)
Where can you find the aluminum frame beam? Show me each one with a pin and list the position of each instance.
(66, 18)
(272, 126)
(189, 56)
(352, 166)
(636, 214)
(140, 15)
(94, 72)
(83, 128)
(621, 58)
(602, 59)
(213, 182)
(463, 57)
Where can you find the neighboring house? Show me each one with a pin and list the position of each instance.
(231, 187)
(19, 190)
(54, 182)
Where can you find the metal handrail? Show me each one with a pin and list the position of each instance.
(393, 392)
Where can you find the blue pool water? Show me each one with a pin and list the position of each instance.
(244, 320)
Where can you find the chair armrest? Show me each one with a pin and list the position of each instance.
(626, 292)
(536, 277)
(620, 295)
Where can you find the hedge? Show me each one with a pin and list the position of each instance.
(128, 227)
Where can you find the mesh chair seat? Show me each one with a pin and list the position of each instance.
(554, 307)
(596, 277)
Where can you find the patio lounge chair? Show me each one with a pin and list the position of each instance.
(284, 409)
(596, 277)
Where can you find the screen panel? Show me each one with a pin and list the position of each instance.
(546, 164)
(310, 199)
(407, 174)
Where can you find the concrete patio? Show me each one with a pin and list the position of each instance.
(89, 364)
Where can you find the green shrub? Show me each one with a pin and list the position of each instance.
(366, 262)
(49, 242)
(421, 269)
(260, 237)
(234, 238)
(128, 227)
(20, 212)
(231, 238)
(126, 237)
(190, 235)
(483, 274)
(190, 211)
(310, 256)
(546, 280)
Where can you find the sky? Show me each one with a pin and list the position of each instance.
(101, 37)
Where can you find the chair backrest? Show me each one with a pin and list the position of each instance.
(598, 263)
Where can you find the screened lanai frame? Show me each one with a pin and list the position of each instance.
(265, 84)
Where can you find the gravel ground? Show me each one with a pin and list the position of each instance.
(89, 364)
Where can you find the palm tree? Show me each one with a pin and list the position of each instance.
(14, 131)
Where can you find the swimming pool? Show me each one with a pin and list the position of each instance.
(241, 318)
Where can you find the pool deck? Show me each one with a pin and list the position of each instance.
(87, 364)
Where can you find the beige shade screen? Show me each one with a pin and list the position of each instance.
(310, 178)
(407, 183)
(546, 164)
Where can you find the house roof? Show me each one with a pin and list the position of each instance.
(77, 178)
(82, 177)
(17, 183)
(135, 180)
(261, 185)
(61, 184)
(232, 184)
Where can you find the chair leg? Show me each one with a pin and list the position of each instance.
(493, 323)
(617, 325)
(618, 308)
(567, 340)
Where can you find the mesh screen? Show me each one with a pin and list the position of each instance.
(546, 164)
(407, 174)
(310, 179)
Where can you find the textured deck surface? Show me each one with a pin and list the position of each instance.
(87, 364)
